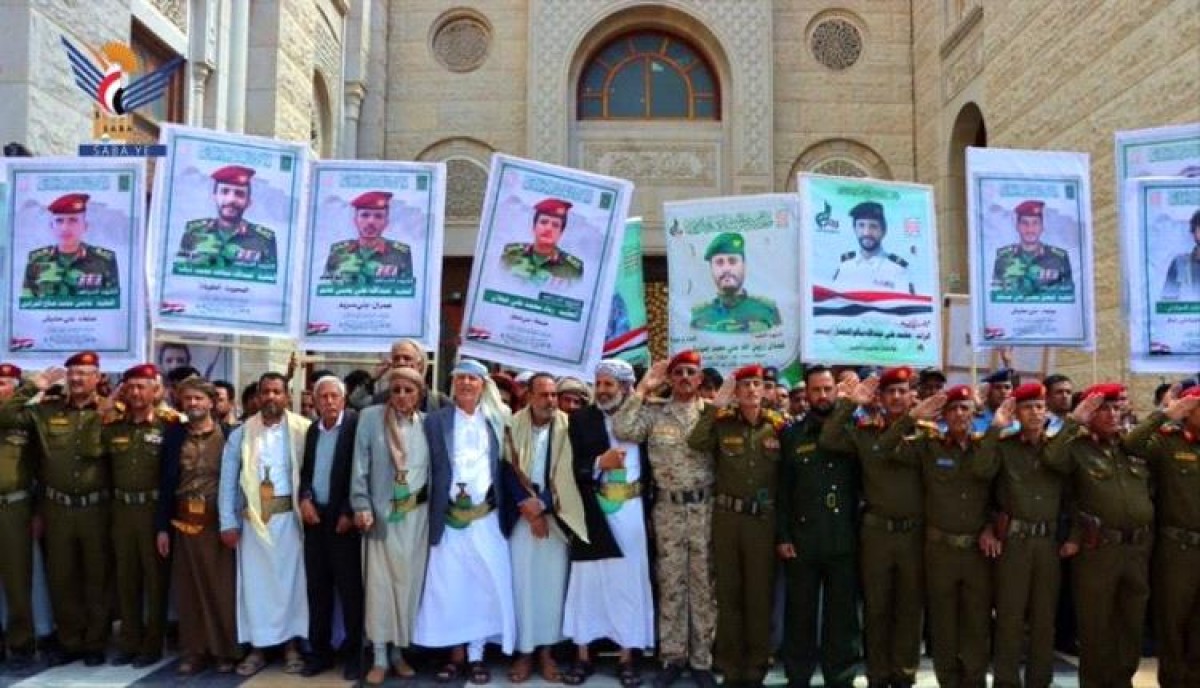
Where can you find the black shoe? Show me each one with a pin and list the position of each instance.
(94, 659)
(669, 674)
(60, 657)
(19, 661)
(146, 660)
(352, 670)
(315, 665)
(704, 678)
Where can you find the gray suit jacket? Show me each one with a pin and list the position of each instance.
(373, 474)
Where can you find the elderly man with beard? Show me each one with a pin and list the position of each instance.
(544, 498)
(817, 538)
(609, 595)
(260, 518)
(683, 477)
(203, 569)
(405, 353)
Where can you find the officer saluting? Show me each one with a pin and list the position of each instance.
(870, 268)
(542, 260)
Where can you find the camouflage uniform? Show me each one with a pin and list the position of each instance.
(352, 263)
(1026, 272)
(206, 244)
(90, 271)
(523, 262)
(682, 520)
(742, 313)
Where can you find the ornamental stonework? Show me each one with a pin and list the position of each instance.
(175, 11)
(840, 168)
(665, 166)
(836, 43)
(465, 185)
(461, 43)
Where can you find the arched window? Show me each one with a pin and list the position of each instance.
(648, 74)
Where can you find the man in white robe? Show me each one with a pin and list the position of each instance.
(258, 502)
(609, 594)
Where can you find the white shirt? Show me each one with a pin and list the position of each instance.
(877, 272)
(273, 459)
(469, 463)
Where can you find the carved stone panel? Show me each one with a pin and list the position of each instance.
(676, 165)
(175, 11)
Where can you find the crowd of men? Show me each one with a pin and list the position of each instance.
(654, 514)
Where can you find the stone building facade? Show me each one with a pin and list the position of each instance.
(893, 89)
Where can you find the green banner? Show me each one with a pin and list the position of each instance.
(627, 336)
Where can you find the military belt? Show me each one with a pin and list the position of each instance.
(1185, 537)
(14, 497)
(891, 525)
(65, 499)
(684, 497)
(619, 492)
(135, 498)
(957, 541)
(1020, 528)
(737, 505)
(1126, 536)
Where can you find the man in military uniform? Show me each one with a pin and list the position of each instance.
(1022, 536)
(1183, 277)
(870, 268)
(733, 310)
(133, 445)
(891, 542)
(75, 493)
(743, 439)
(682, 516)
(999, 387)
(70, 268)
(542, 261)
(228, 242)
(1114, 516)
(370, 260)
(1030, 266)
(17, 458)
(1170, 440)
(816, 535)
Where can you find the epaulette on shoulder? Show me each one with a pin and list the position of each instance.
(897, 260)
(847, 256)
(1058, 251)
(775, 418)
(400, 246)
(264, 232)
(168, 415)
(200, 223)
(43, 251)
(513, 249)
(1008, 250)
(338, 245)
(573, 261)
(100, 251)
(726, 413)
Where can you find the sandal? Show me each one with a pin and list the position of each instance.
(402, 668)
(190, 666)
(521, 669)
(293, 662)
(252, 664)
(551, 672)
(376, 676)
(480, 674)
(628, 675)
(578, 673)
(449, 672)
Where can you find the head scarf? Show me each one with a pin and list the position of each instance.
(617, 369)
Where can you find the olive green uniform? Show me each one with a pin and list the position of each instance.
(818, 515)
(1113, 514)
(352, 263)
(890, 546)
(91, 271)
(1174, 456)
(1031, 272)
(17, 465)
(1027, 574)
(739, 313)
(75, 479)
(746, 457)
(957, 574)
(134, 450)
(247, 251)
(522, 261)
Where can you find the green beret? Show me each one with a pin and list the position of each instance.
(727, 242)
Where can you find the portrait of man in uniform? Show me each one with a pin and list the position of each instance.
(70, 268)
(733, 310)
(542, 260)
(370, 260)
(1183, 276)
(228, 242)
(870, 267)
(1031, 266)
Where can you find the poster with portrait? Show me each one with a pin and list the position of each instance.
(373, 272)
(733, 279)
(546, 263)
(1160, 244)
(628, 335)
(76, 238)
(869, 263)
(211, 354)
(225, 232)
(1029, 233)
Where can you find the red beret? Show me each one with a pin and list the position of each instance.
(1193, 391)
(895, 376)
(1030, 391)
(372, 200)
(9, 370)
(233, 174)
(1111, 391)
(84, 358)
(553, 206)
(69, 205)
(145, 371)
(747, 372)
(1030, 209)
(688, 357)
(959, 393)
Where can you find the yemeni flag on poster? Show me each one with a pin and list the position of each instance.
(628, 336)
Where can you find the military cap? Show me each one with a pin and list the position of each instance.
(9, 370)
(233, 174)
(372, 200)
(84, 358)
(1003, 375)
(868, 210)
(931, 373)
(959, 394)
(144, 371)
(727, 242)
(1111, 391)
(1030, 209)
(69, 204)
(747, 372)
(686, 357)
(552, 206)
(1030, 391)
(900, 375)
(771, 373)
